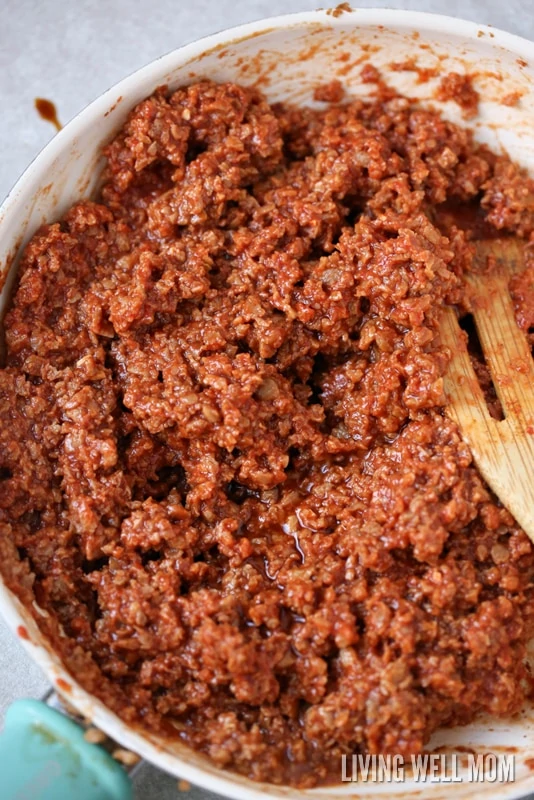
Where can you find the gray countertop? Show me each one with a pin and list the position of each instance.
(71, 51)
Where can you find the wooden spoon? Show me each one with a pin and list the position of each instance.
(503, 450)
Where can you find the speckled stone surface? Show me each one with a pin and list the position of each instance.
(71, 52)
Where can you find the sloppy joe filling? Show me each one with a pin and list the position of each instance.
(229, 492)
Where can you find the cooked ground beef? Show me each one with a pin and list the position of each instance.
(227, 478)
(459, 89)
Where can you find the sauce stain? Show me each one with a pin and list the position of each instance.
(340, 9)
(23, 633)
(63, 685)
(47, 111)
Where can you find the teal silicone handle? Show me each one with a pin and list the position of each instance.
(43, 756)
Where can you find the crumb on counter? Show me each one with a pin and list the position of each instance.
(126, 757)
(94, 736)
